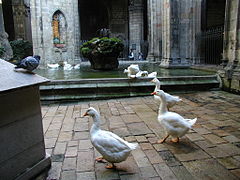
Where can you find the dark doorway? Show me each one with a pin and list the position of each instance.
(8, 18)
(213, 14)
(93, 17)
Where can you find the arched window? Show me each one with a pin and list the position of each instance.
(59, 27)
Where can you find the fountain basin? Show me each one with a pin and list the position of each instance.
(86, 83)
(85, 71)
(105, 88)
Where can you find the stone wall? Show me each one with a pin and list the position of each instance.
(52, 48)
(230, 72)
(42, 31)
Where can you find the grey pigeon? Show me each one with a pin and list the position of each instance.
(29, 63)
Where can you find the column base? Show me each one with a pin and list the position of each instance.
(174, 63)
(150, 58)
(230, 76)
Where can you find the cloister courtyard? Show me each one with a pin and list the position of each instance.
(105, 54)
(211, 150)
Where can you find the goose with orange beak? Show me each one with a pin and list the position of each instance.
(174, 124)
(112, 148)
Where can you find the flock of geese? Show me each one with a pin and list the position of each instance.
(133, 71)
(114, 149)
(65, 66)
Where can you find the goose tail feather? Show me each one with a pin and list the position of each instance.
(132, 146)
(192, 121)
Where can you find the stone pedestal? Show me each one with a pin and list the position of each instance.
(21, 131)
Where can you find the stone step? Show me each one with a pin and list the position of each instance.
(67, 90)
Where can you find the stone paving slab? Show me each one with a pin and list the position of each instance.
(211, 150)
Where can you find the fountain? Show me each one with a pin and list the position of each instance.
(86, 83)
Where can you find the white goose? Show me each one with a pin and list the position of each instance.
(132, 70)
(112, 148)
(77, 66)
(67, 66)
(152, 74)
(142, 74)
(171, 100)
(53, 66)
(174, 124)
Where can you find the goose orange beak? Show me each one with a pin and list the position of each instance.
(153, 93)
(85, 114)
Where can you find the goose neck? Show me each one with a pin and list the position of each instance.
(163, 106)
(96, 122)
(157, 85)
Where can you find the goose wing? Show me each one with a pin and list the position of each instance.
(174, 120)
(110, 142)
(170, 97)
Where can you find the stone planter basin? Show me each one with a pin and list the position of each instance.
(104, 62)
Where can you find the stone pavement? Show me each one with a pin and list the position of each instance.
(211, 150)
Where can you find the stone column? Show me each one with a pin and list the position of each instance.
(135, 25)
(22, 19)
(4, 38)
(178, 35)
(150, 10)
(154, 30)
(77, 32)
(37, 27)
(195, 23)
(230, 72)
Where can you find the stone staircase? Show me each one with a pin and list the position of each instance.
(86, 89)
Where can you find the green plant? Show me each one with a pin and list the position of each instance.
(102, 47)
(2, 50)
(21, 49)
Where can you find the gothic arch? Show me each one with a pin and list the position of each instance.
(59, 28)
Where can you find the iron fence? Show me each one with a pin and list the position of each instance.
(212, 45)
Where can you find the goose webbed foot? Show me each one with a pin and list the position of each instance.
(110, 166)
(175, 140)
(162, 140)
(99, 159)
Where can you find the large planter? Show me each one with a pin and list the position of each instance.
(104, 62)
(102, 52)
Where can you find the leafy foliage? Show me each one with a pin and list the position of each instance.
(21, 49)
(102, 47)
(2, 50)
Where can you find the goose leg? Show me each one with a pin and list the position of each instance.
(99, 159)
(175, 140)
(162, 140)
(110, 166)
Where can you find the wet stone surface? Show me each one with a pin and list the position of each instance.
(211, 150)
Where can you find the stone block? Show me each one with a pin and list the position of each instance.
(210, 168)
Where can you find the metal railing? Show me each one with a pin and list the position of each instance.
(212, 45)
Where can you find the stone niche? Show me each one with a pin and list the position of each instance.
(21, 131)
